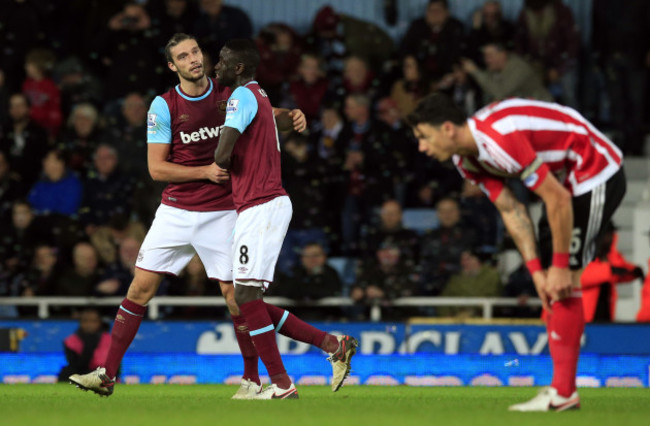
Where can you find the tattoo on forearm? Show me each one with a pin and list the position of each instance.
(522, 230)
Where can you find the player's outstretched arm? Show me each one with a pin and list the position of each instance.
(227, 140)
(165, 171)
(559, 210)
(520, 227)
(290, 120)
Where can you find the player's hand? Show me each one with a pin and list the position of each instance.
(539, 279)
(558, 283)
(468, 65)
(216, 174)
(299, 120)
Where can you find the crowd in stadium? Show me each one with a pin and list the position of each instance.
(76, 197)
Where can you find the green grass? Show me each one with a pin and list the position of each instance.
(143, 405)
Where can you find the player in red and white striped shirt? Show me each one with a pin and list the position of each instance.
(575, 170)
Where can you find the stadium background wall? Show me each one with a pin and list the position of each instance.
(300, 13)
(390, 354)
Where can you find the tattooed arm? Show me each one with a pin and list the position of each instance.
(520, 227)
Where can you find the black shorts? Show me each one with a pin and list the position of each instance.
(591, 214)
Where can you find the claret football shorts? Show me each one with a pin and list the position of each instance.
(176, 235)
(259, 234)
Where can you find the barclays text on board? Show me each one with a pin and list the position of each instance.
(391, 354)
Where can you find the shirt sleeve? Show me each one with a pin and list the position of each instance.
(159, 123)
(241, 109)
(489, 184)
(516, 144)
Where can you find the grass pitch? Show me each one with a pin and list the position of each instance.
(190, 405)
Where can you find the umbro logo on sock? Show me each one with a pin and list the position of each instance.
(555, 336)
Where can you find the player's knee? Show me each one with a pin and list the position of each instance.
(245, 294)
(141, 292)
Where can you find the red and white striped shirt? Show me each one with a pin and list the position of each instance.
(526, 139)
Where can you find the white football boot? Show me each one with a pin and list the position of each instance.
(272, 391)
(96, 381)
(247, 390)
(548, 400)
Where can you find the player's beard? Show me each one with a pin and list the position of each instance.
(187, 75)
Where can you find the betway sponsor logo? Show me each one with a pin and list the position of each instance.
(204, 133)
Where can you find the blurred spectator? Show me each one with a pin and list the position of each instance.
(218, 23)
(107, 191)
(480, 214)
(311, 280)
(390, 231)
(403, 146)
(383, 279)
(280, 49)
(81, 137)
(546, 34)
(436, 40)
(118, 276)
(87, 348)
(462, 89)
(303, 177)
(59, 190)
(308, 90)
(41, 276)
(24, 141)
(369, 170)
(357, 79)
(4, 97)
(169, 17)
(77, 84)
(623, 53)
(328, 133)
(130, 53)
(11, 188)
(489, 27)
(475, 279)
(507, 75)
(520, 285)
(82, 23)
(106, 239)
(412, 87)
(81, 278)
(432, 181)
(43, 94)
(128, 134)
(20, 237)
(20, 29)
(600, 277)
(336, 35)
(441, 248)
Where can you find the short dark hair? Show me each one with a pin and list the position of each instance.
(443, 2)
(174, 41)
(435, 109)
(245, 52)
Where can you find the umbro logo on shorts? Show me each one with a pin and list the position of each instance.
(242, 269)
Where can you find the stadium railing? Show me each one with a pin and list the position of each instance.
(44, 303)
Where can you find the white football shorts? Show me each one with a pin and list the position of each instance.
(176, 235)
(259, 234)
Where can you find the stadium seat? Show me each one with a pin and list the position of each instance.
(420, 220)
